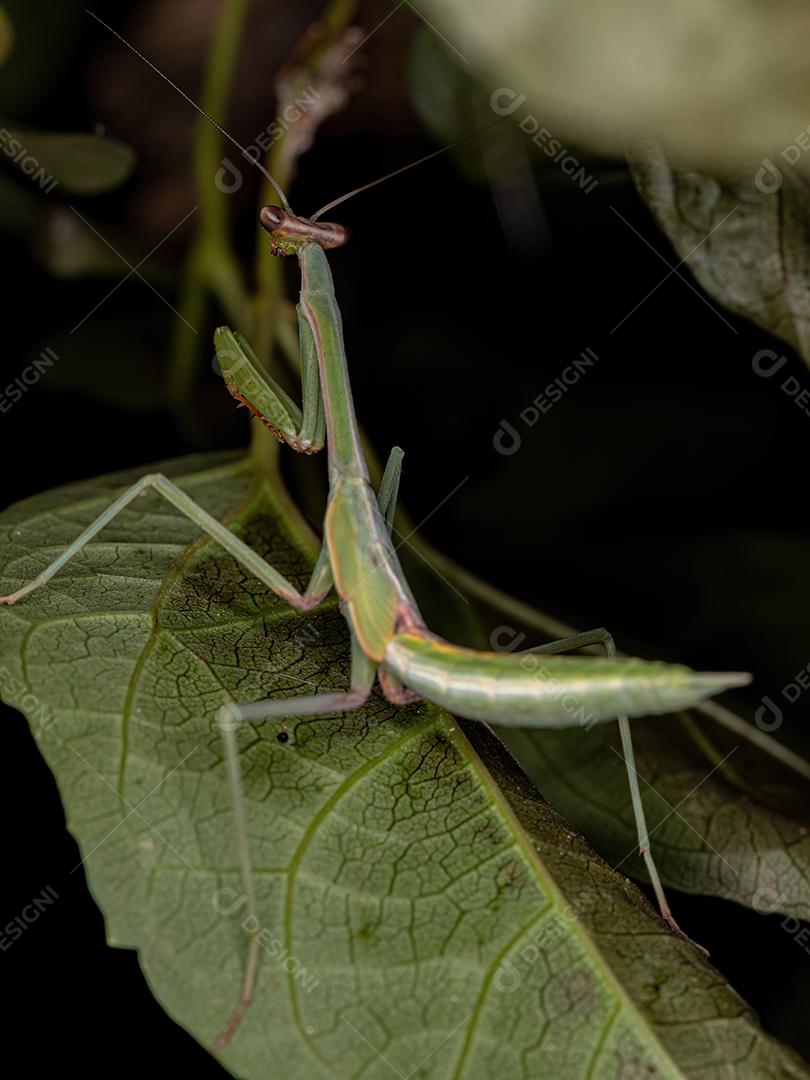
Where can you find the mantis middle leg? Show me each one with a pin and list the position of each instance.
(230, 716)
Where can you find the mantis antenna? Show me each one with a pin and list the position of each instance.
(420, 161)
(267, 175)
(202, 112)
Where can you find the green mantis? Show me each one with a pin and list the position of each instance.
(390, 641)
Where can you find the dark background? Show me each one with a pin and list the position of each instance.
(663, 497)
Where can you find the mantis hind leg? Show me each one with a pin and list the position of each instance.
(601, 636)
(229, 718)
(319, 585)
(394, 690)
(362, 676)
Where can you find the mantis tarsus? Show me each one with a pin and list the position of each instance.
(389, 638)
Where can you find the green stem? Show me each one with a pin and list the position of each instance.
(207, 140)
(217, 261)
(185, 344)
(211, 264)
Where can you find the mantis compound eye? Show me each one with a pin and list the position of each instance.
(272, 217)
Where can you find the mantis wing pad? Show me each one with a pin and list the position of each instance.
(362, 570)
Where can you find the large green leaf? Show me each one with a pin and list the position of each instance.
(713, 80)
(726, 818)
(422, 908)
(745, 237)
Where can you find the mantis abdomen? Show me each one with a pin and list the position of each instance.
(531, 690)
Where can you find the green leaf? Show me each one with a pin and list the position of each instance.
(712, 80)
(745, 237)
(418, 900)
(725, 818)
(79, 164)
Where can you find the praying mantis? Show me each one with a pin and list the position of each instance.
(389, 639)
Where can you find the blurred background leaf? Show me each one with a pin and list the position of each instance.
(745, 236)
(713, 81)
(68, 247)
(81, 164)
(725, 818)
(454, 106)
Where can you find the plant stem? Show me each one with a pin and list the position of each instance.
(185, 344)
(207, 140)
(211, 264)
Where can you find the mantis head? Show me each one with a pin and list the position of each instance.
(288, 232)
